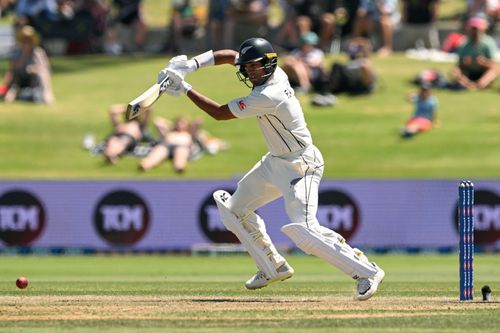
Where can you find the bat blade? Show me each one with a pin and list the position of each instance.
(146, 99)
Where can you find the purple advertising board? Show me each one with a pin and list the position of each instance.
(177, 215)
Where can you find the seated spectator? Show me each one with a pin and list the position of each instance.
(29, 74)
(489, 8)
(381, 12)
(424, 115)
(357, 76)
(476, 67)
(175, 144)
(28, 10)
(80, 24)
(126, 133)
(185, 24)
(90, 17)
(419, 23)
(129, 13)
(327, 18)
(305, 65)
(252, 13)
(336, 22)
(204, 141)
(300, 18)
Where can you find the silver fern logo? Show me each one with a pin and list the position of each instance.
(245, 49)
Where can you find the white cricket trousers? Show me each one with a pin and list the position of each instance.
(295, 176)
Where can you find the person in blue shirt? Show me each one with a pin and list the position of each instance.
(424, 115)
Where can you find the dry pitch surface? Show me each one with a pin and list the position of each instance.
(67, 308)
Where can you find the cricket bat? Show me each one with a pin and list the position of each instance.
(146, 99)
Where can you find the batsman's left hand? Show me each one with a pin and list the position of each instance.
(173, 91)
(180, 64)
(175, 77)
(177, 60)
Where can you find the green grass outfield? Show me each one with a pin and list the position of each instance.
(206, 294)
(358, 137)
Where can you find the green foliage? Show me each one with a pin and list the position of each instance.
(358, 136)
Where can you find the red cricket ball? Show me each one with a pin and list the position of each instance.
(21, 282)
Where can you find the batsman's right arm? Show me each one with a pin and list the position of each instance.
(222, 57)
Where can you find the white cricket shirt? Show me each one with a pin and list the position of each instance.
(278, 113)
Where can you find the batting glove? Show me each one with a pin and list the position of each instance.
(180, 64)
(175, 77)
(174, 62)
(173, 90)
(176, 90)
(176, 83)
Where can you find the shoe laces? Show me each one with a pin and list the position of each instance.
(260, 275)
(363, 286)
(283, 268)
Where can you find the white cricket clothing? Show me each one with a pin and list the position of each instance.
(293, 169)
(278, 113)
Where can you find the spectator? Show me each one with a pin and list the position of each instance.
(336, 21)
(129, 13)
(476, 67)
(327, 18)
(305, 66)
(419, 23)
(79, 23)
(424, 115)
(29, 74)
(357, 76)
(301, 17)
(489, 8)
(126, 134)
(175, 144)
(204, 141)
(6, 7)
(252, 13)
(94, 13)
(184, 25)
(382, 12)
(217, 14)
(28, 10)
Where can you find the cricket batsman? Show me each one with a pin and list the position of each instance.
(292, 168)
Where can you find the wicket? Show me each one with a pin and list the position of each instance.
(466, 244)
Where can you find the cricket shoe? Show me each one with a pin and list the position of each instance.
(367, 287)
(260, 280)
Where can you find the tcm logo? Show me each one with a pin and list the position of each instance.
(211, 224)
(486, 217)
(121, 218)
(339, 212)
(22, 218)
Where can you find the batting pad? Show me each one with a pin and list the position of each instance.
(251, 232)
(330, 246)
